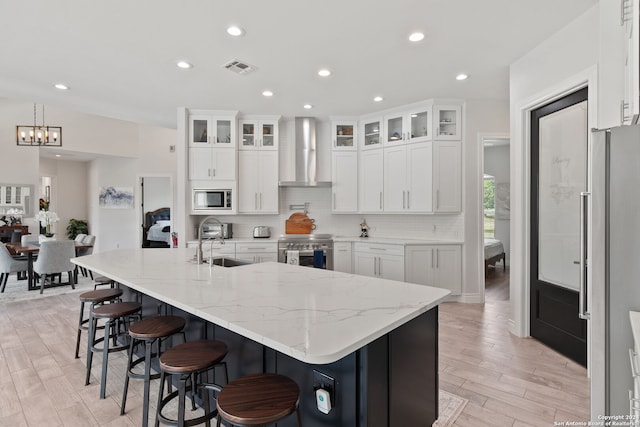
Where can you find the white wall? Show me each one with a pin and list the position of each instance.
(68, 192)
(496, 164)
(482, 117)
(555, 66)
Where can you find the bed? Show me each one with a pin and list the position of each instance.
(157, 227)
(493, 253)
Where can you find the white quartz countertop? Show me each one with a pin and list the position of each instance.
(316, 316)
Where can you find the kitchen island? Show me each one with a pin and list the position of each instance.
(373, 342)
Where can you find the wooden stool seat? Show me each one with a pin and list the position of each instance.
(112, 311)
(100, 295)
(259, 399)
(190, 361)
(193, 356)
(149, 331)
(156, 327)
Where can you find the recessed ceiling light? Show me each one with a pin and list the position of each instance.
(58, 155)
(308, 106)
(267, 93)
(378, 98)
(416, 37)
(184, 65)
(235, 31)
(61, 86)
(462, 76)
(324, 73)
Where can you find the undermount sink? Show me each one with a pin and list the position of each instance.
(227, 262)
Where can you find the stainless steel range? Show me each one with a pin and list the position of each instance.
(309, 250)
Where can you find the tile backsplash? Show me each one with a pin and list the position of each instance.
(411, 226)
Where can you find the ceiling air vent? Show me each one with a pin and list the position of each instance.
(239, 67)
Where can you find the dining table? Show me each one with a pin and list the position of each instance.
(32, 249)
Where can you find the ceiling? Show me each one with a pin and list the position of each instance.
(118, 56)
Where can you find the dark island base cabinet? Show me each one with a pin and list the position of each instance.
(390, 382)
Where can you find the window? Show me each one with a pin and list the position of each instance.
(489, 206)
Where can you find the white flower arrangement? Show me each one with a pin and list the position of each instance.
(47, 218)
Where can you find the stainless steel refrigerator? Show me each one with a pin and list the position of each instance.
(611, 265)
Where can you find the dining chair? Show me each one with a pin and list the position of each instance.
(87, 239)
(29, 239)
(8, 265)
(55, 258)
(80, 237)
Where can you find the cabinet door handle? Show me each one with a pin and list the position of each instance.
(381, 200)
(375, 266)
(403, 204)
(334, 200)
(437, 199)
(260, 201)
(379, 266)
(437, 258)
(214, 171)
(408, 200)
(432, 253)
(209, 172)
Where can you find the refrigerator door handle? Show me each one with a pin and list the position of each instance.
(582, 304)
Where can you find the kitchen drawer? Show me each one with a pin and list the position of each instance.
(257, 247)
(380, 249)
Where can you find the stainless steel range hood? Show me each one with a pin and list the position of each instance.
(305, 155)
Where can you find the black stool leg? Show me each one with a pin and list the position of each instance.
(126, 377)
(105, 357)
(147, 374)
(181, 397)
(160, 393)
(90, 344)
(79, 328)
(207, 406)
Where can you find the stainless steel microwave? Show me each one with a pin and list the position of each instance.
(211, 199)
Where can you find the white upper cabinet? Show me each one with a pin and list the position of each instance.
(344, 134)
(447, 176)
(447, 121)
(344, 178)
(407, 178)
(258, 181)
(258, 134)
(395, 129)
(371, 183)
(370, 132)
(212, 130)
(212, 164)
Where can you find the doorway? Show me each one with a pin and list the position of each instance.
(559, 146)
(155, 211)
(496, 217)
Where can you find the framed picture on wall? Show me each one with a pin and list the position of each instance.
(116, 197)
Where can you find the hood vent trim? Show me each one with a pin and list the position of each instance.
(305, 155)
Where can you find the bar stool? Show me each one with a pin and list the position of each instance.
(95, 298)
(100, 280)
(258, 400)
(115, 315)
(149, 330)
(189, 361)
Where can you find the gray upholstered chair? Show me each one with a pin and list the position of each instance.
(55, 257)
(29, 239)
(8, 265)
(87, 239)
(80, 237)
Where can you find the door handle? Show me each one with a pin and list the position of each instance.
(408, 200)
(381, 200)
(582, 305)
(403, 203)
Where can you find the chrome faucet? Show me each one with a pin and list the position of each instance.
(220, 237)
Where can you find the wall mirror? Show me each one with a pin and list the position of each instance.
(16, 200)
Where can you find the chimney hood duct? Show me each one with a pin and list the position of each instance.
(305, 153)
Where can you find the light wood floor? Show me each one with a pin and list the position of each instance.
(509, 381)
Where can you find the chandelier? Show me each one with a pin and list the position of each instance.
(39, 135)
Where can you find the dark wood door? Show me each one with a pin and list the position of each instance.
(559, 147)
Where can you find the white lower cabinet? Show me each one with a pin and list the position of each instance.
(435, 265)
(257, 252)
(342, 257)
(379, 260)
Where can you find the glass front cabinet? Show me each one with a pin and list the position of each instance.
(447, 122)
(344, 134)
(370, 133)
(212, 130)
(258, 134)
